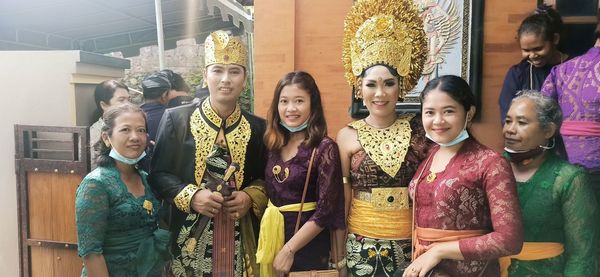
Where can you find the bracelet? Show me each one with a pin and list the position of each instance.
(346, 180)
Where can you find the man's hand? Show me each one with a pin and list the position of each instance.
(207, 203)
(238, 204)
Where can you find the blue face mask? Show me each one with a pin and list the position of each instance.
(294, 129)
(117, 156)
(462, 136)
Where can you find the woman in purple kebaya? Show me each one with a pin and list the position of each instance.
(296, 130)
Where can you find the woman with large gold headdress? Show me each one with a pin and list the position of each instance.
(383, 53)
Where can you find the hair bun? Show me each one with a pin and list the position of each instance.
(542, 9)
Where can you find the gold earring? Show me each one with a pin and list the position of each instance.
(358, 93)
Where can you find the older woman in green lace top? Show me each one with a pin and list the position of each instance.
(116, 212)
(559, 210)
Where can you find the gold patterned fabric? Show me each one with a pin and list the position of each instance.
(386, 32)
(184, 197)
(205, 124)
(221, 48)
(367, 220)
(386, 146)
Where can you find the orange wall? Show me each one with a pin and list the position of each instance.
(307, 35)
(302, 35)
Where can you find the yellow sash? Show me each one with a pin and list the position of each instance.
(271, 236)
(532, 251)
(366, 220)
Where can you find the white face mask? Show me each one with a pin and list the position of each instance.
(117, 156)
(294, 129)
(462, 136)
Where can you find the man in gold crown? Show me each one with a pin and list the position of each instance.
(383, 53)
(208, 162)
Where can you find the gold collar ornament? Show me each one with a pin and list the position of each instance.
(388, 32)
(221, 48)
(387, 147)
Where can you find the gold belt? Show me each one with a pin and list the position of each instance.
(385, 198)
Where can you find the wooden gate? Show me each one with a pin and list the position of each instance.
(50, 164)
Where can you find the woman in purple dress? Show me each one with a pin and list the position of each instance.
(296, 130)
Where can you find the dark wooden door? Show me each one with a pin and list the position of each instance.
(50, 163)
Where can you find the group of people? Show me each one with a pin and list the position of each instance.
(392, 195)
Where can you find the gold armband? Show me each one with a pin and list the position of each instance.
(346, 180)
(184, 198)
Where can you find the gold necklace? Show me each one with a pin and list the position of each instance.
(277, 169)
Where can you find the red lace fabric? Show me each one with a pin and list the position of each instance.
(476, 191)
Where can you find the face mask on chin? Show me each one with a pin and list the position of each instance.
(462, 136)
(118, 157)
(525, 157)
(294, 129)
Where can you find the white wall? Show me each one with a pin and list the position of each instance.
(37, 88)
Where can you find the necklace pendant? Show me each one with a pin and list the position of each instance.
(431, 177)
(148, 207)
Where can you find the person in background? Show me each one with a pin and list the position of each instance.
(297, 140)
(559, 210)
(116, 211)
(106, 94)
(465, 199)
(384, 51)
(180, 91)
(575, 85)
(538, 36)
(156, 88)
(196, 145)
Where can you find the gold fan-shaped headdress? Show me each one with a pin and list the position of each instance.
(386, 32)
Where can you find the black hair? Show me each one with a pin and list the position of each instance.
(544, 22)
(456, 87)
(109, 118)
(105, 91)
(178, 83)
(392, 71)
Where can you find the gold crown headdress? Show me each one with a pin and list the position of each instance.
(386, 32)
(220, 47)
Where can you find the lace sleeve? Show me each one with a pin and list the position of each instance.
(580, 213)
(549, 86)
(91, 213)
(506, 237)
(330, 196)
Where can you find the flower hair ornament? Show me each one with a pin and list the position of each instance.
(387, 32)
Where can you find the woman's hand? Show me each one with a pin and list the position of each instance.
(423, 264)
(207, 203)
(283, 261)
